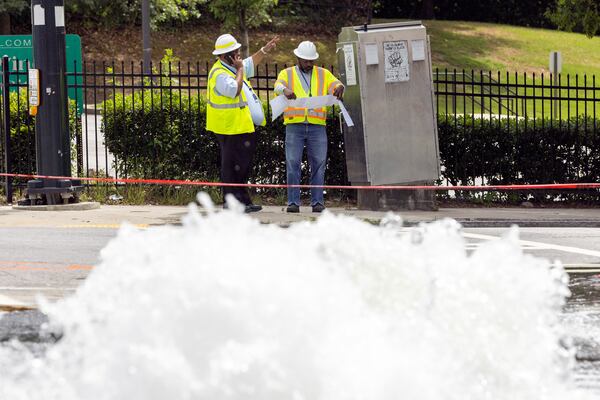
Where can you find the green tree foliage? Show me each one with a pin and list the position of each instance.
(13, 6)
(325, 15)
(513, 12)
(578, 15)
(242, 14)
(22, 134)
(8, 8)
(115, 13)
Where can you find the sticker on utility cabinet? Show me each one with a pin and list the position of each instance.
(350, 65)
(395, 55)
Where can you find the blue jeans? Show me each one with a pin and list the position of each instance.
(314, 137)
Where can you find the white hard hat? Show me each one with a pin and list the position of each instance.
(306, 51)
(226, 43)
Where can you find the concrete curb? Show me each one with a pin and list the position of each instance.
(61, 207)
(507, 223)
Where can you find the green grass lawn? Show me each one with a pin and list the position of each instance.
(494, 47)
(455, 44)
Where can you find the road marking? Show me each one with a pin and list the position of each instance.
(582, 266)
(10, 304)
(583, 271)
(42, 266)
(77, 267)
(104, 226)
(539, 245)
(73, 226)
(33, 288)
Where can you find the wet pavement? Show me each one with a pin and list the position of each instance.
(581, 320)
(581, 317)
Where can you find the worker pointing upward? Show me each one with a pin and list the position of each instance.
(232, 111)
(306, 127)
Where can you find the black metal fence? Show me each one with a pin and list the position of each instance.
(526, 97)
(524, 101)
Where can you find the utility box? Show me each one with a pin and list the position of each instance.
(386, 69)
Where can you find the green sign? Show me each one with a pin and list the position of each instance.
(19, 49)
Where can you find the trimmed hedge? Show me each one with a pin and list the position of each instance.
(518, 151)
(22, 128)
(22, 134)
(166, 138)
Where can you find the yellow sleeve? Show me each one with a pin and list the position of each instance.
(331, 82)
(281, 82)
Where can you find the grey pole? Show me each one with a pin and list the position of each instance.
(555, 91)
(147, 46)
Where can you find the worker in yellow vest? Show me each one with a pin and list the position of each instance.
(232, 111)
(306, 127)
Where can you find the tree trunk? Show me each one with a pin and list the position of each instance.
(427, 9)
(5, 24)
(244, 29)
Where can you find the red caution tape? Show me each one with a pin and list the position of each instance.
(176, 182)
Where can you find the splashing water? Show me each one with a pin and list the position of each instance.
(337, 309)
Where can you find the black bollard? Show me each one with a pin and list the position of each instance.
(53, 154)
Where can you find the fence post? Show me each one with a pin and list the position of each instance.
(6, 115)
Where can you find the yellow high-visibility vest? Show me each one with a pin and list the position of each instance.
(224, 115)
(322, 83)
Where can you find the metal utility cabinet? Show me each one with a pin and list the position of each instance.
(386, 69)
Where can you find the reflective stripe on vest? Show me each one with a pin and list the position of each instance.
(303, 112)
(225, 115)
(233, 105)
(332, 86)
(241, 103)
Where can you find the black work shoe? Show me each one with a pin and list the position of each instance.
(252, 208)
(293, 208)
(318, 208)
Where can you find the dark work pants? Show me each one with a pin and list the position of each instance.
(237, 152)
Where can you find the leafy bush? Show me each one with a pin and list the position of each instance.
(165, 137)
(159, 135)
(22, 134)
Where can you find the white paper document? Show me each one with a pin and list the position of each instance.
(280, 103)
(345, 114)
(396, 61)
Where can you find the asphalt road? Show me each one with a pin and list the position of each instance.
(54, 261)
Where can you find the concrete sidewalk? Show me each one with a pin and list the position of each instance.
(147, 215)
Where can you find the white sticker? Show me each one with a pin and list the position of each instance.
(395, 55)
(418, 50)
(350, 66)
(555, 62)
(59, 16)
(39, 17)
(371, 56)
(34, 80)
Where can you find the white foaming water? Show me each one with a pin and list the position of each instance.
(337, 309)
